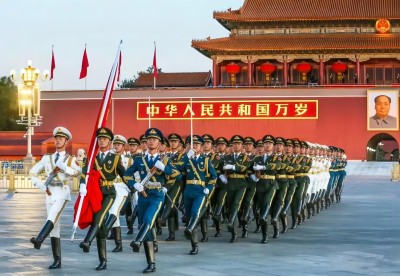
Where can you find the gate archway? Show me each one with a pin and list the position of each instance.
(382, 147)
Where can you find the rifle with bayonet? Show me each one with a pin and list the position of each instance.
(52, 175)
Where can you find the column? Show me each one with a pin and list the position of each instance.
(321, 71)
(285, 72)
(215, 73)
(249, 72)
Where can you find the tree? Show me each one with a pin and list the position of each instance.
(9, 105)
(130, 83)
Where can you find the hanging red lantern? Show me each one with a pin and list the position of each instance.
(303, 68)
(339, 67)
(267, 68)
(233, 69)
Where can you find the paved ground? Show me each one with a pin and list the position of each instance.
(359, 236)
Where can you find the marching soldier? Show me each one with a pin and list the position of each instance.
(218, 200)
(153, 172)
(174, 186)
(236, 165)
(249, 143)
(342, 175)
(198, 170)
(143, 143)
(300, 181)
(281, 179)
(109, 166)
(59, 168)
(122, 192)
(304, 151)
(256, 210)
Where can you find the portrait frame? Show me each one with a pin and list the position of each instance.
(377, 125)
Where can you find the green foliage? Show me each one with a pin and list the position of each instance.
(9, 105)
(130, 83)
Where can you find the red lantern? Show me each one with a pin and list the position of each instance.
(267, 68)
(339, 67)
(303, 68)
(233, 69)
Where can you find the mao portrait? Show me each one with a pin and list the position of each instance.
(383, 110)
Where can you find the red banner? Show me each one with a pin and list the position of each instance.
(228, 109)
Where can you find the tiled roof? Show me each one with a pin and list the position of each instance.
(195, 79)
(299, 43)
(284, 10)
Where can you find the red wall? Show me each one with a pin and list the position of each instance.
(342, 122)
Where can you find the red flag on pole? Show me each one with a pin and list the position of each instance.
(85, 65)
(119, 66)
(53, 64)
(155, 62)
(89, 203)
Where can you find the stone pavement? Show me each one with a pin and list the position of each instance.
(359, 236)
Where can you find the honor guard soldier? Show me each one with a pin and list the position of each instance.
(59, 167)
(300, 160)
(122, 192)
(153, 172)
(143, 143)
(200, 181)
(249, 143)
(174, 186)
(109, 165)
(291, 169)
(264, 167)
(342, 175)
(304, 151)
(218, 199)
(281, 179)
(235, 167)
(256, 211)
(215, 161)
(130, 207)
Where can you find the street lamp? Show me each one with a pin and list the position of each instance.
(29, 103)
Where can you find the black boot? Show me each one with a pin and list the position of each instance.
(245, 229)
(264, 232)
(203, 226)
(294, 220)
(129, 225)
(275, 216)
(218, 227)
(258, 226)
(56, 248)
(284, 224)
(194, 242)
(309, 211)
(233, 236)
(155, 241)
(85, 245)
(111, 235)
(231, 221)
(135, 244)
(171, 228)
(37, 242)
(150, 257)
(189, 229)
(117, 238)
(101, 249)
(276, 231)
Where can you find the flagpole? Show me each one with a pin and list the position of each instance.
(86, 75)
(101, 121)
(149, 114)
(52, 59)
(191, 123)
(155, 71)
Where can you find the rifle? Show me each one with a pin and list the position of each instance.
(148, 176)
(52, 175)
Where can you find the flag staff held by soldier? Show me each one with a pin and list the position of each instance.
(59, 167)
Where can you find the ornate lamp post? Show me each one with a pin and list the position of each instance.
(29, 103)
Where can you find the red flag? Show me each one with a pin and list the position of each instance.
(53, 64)
(85, 65)
(81, 205)
(119, 66)
(155, 63)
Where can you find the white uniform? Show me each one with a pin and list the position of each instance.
(58, 188)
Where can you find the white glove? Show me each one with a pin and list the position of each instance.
(222, 177)
(258, 168)
(190, 153)
(164, 190)
(254, 178)
(159, 165)
(82, 189)
(206, 191)
(61, 165)
(40, 185)
(229, 167)
(139, 187)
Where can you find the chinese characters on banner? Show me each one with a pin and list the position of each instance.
(228, 109)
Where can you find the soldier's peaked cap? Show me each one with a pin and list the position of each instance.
(280, 140)
(133, 141)
(119, 139)
(249, 140)
(63, 132)
(208, 138)
(222, 140)
(304, 144)
(237, 139)
(197, 139)
(289, 142)
(259, 143)
(142, 138)
(296, 143)
(154, 133)
(105, 132)
(174, 137)
(268, 138)
(166, 142)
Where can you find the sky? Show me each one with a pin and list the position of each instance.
(32, 27)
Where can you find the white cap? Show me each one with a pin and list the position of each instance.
(119, 139)
(63, 132)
